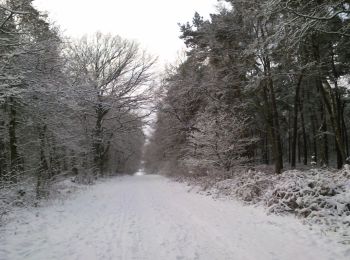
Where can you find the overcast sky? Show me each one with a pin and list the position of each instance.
(151, 22)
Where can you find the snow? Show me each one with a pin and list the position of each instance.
(140, 173)
(318, 197)
(151, 217)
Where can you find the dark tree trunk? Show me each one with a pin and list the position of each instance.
(99, 149)
(14, 158)
(289, 137)
(325, 142)
(271, 128)
(273, 118)
(265, 147)
(314, 137)
(330, 101)
(3, 164)
(299, 148)
(277, 130)
(337, 111)
(98, 145)
(303, 128)
(2, 160)
(295, 120)
(339, 156)
(43, 174)
(345, 133)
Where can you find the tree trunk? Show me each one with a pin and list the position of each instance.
(331, 102)
(14, 158)
(325, 141)
(338, 110)
(265, 147)
(295, 120)
(305, 148)
(346, 136)
(2, 160)
(270, 127)
(278, 143)
(289, 138)
(98, 145)
(314, 137)
(272, 108)
(299, 148)
(42, 177)
(274, 118)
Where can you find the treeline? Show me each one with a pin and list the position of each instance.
(67, 106)
(264, 82)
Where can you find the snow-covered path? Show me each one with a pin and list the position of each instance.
(150, 217)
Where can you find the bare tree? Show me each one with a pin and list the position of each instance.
(111, 77)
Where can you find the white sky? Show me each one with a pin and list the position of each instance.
(153, 23)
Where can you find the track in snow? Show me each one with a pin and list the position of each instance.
(150, 217)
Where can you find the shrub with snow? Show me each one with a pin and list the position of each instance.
(319, 196)
(248, 186)
(23, 194)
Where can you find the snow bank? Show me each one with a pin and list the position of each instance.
(22, 195)
(16, 195)
(320, 197)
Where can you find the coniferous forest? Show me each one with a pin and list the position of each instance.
(263, 82)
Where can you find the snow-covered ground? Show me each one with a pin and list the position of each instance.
(150, 217)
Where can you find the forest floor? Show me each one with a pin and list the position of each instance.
(151, 217)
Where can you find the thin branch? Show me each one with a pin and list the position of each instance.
(13, 11)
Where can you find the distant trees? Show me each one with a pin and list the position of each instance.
(64, 109)
(271, 81)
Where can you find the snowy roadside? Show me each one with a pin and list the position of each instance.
(319, 198)
(21, 197)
